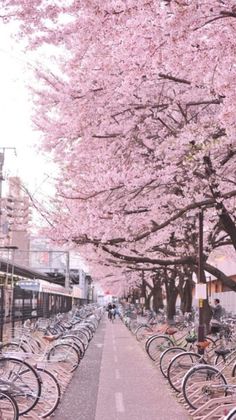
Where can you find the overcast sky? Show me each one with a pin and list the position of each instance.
(15, 111)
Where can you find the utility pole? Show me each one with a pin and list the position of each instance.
(67, 273)
(201, 285)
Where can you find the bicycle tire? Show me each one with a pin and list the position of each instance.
(13, 347)
(77, 341)
(150, 339)
(231, 415)
(234, 370)
(134, 326)
(140, 332)
(191, 385)
(28, 386)
(82, 336)
(73, 343)
(66, 349)
(166, 358)
(175, 375)
(50, 386)
(157, 345)
(8, 403)
(87, 332)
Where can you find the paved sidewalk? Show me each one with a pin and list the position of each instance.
(117, 381)
(130, 387)
(80, 398)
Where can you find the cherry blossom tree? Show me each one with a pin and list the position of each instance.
(139, 117)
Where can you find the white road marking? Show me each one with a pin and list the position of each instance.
(117, 374)
(115, 358)
(120, 408)
(99, 345)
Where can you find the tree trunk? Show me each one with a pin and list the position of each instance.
(187, 298)
(147, 301)
(171, 303)
(157, 296)
(171, 295)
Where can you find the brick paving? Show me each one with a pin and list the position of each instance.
(117, 381)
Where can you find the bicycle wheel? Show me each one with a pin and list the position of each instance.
(12, 347)
(8, 407)
(157, 345)
(65, 354)
(134, 325)
(234, 367)
(142, 331)
(149, 339)
(77, 342)
(178, 367)
(81, 334)
(166, 358)
(231, 415)
(50, 395)
(202, 383)
(87, 332)
(22, 381)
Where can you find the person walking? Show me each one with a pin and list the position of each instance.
(114, 311)
(109, 309)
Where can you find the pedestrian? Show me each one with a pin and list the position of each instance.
(217, 312)
(109, 309)
(114, 312)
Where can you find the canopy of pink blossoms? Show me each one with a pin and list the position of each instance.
(140, 118)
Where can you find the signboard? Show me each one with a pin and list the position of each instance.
(201, 291)
(33, 285)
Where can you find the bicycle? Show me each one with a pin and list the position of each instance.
(8, 407)
(21, 381)
(203, 382)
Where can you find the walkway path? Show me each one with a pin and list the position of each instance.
(117, 381)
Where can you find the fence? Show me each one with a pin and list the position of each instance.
(18, 304)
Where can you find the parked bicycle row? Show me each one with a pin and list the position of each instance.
(202, 374)
(37, 364)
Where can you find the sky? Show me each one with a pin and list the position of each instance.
(15, 111)
(16, 131)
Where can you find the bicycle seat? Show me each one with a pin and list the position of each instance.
(50, 338)
(171, 331)
(222, 352)
(203, 344)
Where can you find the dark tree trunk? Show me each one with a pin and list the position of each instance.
(171, 304)
(157, 296)
(187, 298)
(147, 301)
(171, 294)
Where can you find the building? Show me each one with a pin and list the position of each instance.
(15, 222)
